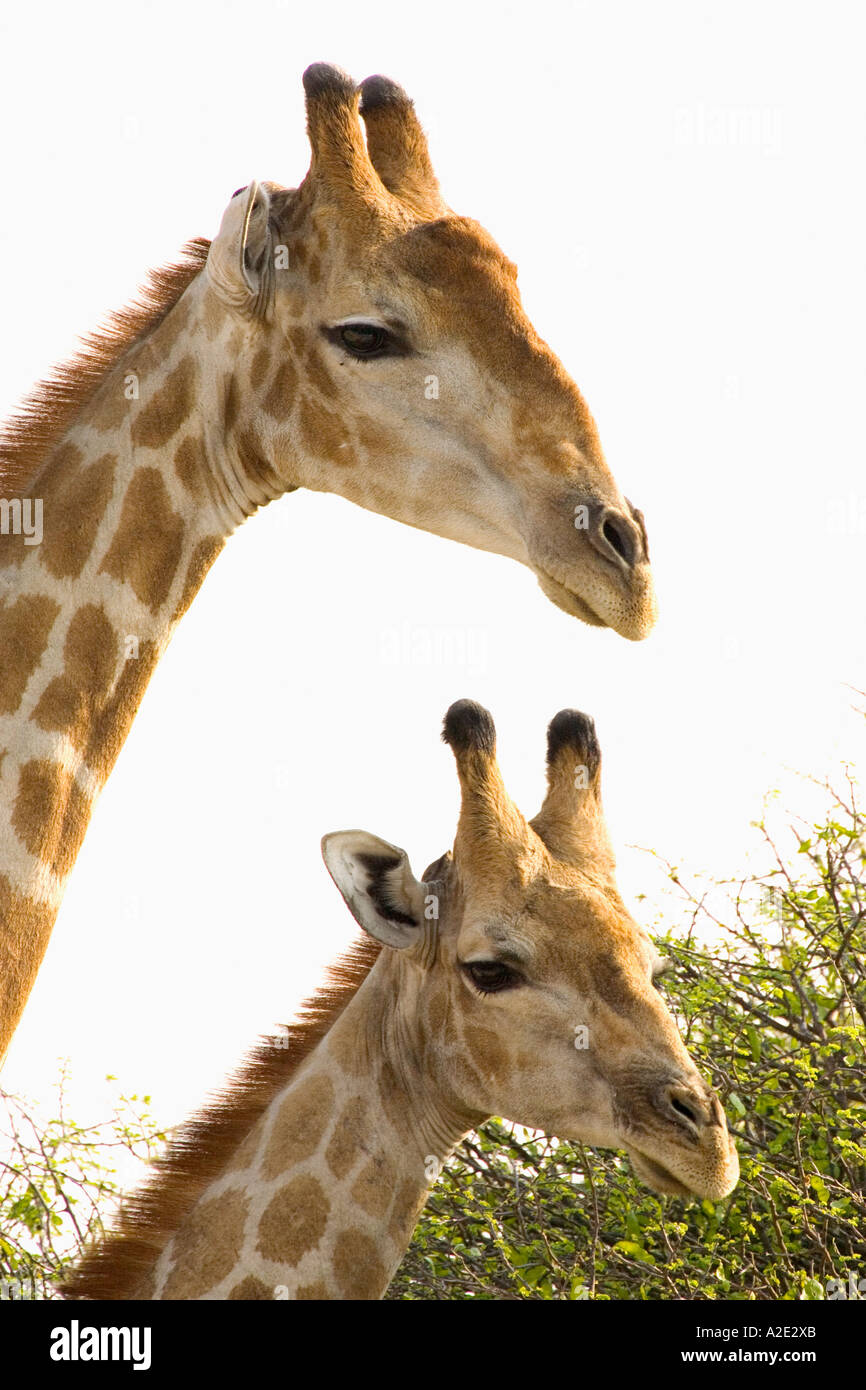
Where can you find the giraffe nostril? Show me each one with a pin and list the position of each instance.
(614, 538)
(681, 1104)
(684, 1110)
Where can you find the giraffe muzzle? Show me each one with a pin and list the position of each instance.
(693, 1153)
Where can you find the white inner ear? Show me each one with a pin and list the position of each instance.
(398, 886)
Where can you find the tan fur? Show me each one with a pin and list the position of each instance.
(79, 497)
(90, 655)
(147, 545)
(24, 627)
(50, 813)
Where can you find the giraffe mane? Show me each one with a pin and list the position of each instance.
(200, 1149)
(46, 412)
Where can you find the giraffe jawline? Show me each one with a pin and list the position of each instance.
(568, 601)
(656, 1176)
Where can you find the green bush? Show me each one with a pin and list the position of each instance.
(59, 1185)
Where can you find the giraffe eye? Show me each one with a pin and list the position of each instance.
(491, 976)
(365, 339)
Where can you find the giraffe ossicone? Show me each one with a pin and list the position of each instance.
(351, 335)
(306, 1179)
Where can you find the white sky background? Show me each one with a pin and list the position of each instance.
(681, 186)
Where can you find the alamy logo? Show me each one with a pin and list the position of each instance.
(22, 516)
(22, 1289)
(76, 1343)
(850, 1288)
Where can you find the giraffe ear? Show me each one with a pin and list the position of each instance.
(240, 263)
(379, 888)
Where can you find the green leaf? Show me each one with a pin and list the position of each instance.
(634, 1251)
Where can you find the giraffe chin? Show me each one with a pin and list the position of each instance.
(569, 602)
(657, 1177)
(633, 622)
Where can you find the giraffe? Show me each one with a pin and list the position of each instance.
(352, 335)
(509, 980)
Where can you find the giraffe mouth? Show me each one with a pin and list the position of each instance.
(656, 1176)
(568, 600)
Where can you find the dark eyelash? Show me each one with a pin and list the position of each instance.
(491, 976)
(389, 343)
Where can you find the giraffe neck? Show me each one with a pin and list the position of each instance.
(135, 502)
(321, 1198)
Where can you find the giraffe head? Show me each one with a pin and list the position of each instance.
(385, 355)
(520, 976)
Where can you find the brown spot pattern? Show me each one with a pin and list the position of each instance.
(200, 562)
(25, 626)
(247, 1150)
(313, 1292)
(26, 932)
(207, 1246)
(249, 1289)
(317, 374)
(145, 551)
(299, 1125)
(281, 394)
(232, 407)
(346, 1139)
(159, 420)
(255, 467)
(407, 1204)
(190, 464)
(259, 368)
(111, 405)
(75, 503)
(358, 1269)
(323, 432)
(374, 1186)
(213, 315)
(50, 813)
(175, 323)
(436, 1011)
(112, 725)
(373, 439)
(488, 1052)
(294, 1221)
(62, 462)
(70, 701)
(393, 1097)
